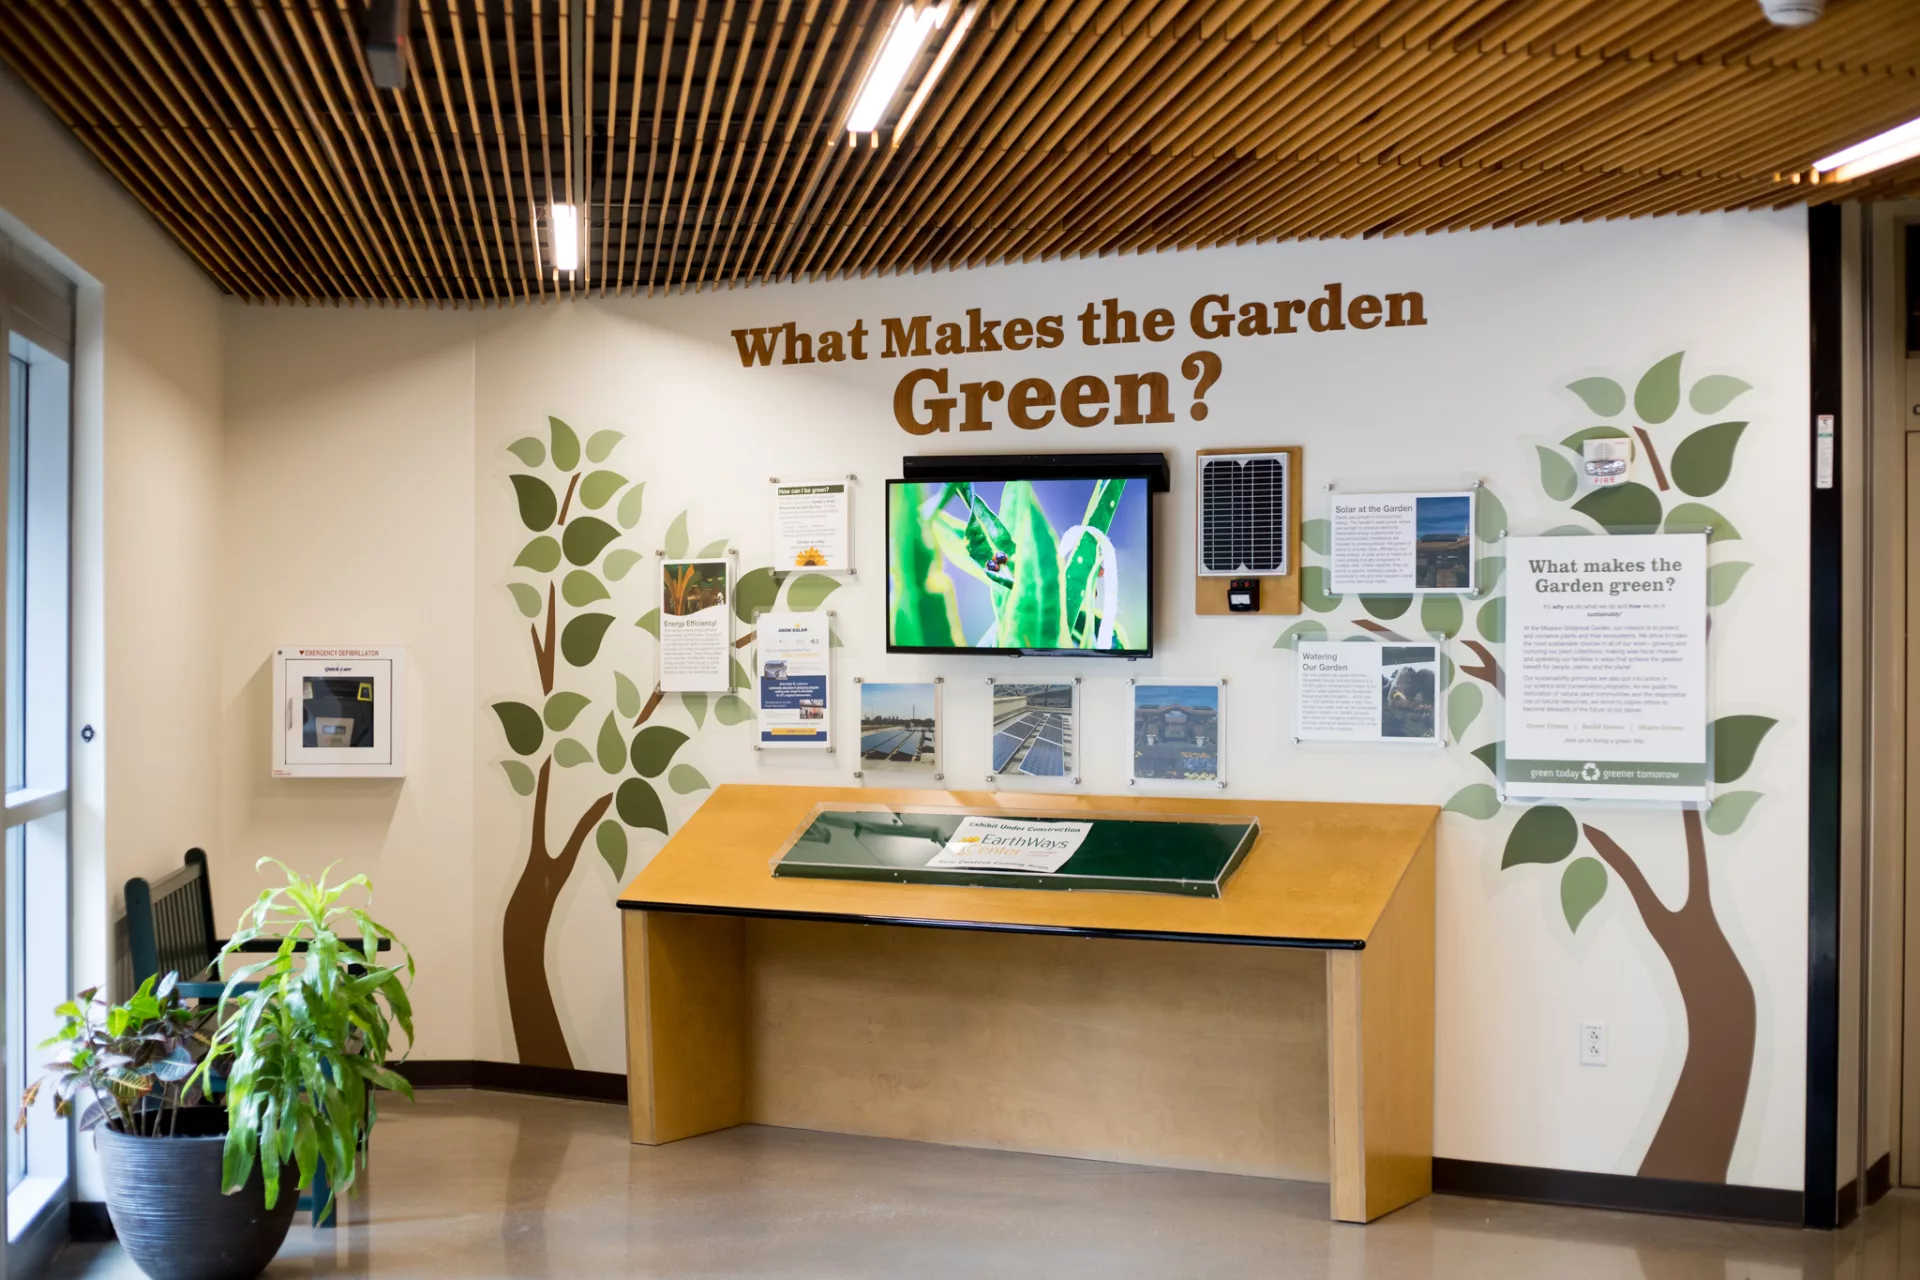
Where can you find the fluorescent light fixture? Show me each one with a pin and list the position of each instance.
(912, 28)
(1893, 146)
(940, 61)
(563, 222)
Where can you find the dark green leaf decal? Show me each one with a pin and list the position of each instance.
(1463, 704)
(685, 780)
(1602, 395)
(755, 592)
(1306, 630)
(1441, 614)
(1702, 461)
(1580, 437)
(1729, 810)
(1446, 672)
(1313, 590)
(628, 512)
(1697, 517)
(718, 547)
(611, 747)
(809, 590)
(1715, 392)
(696, 705)
(586, 537)
(677, 540)
(1492, 619)
(600, 445)
(1556, 473)
(1487, 573)
(731, 709)
(610, 838)
(1489, 517)
(538, 506)
(649, 622)
(626, 697)
(582, 588)
(741, 680)
(566, 445)
(1545, 833)
(580, 638)
(529, 450)
(1731, 744)
(1386, 608)
(1658, 394)
(542, 555)
(1489, 755)
(526, 598)
(599, 487)
(521, 724)
(653, 749)
(1622, 508)
(638, 805)
(619, 563)
(1318, 535)
(1476, 801)
(1582, 885)
(518, 775)
(1722, 579)
(563, 707)
(569, 753)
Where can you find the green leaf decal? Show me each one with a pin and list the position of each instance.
(1489, 755)
(1545, 833)
(638, 805)
(1602, 395)
(600, 445)
(542, 555)
(1715, 392)
(1305, 630)
(718, 547)
(611, 747)
(677, 541)
(732, 709)
(586, 537)
(1489, 517)
(619, 563)
(1729, 810)
(566, 445)
(1463, 704)
(1446, 672)
(653, 749)
(582, 588)
(755, 592)
(1698, 517)
(1476, 801)
(1318, 535)
(1703, 460)
(1487, 572)
(628, 512)
(1386, 608)
(1658, 394)
(626, 697)
(1580, 437)
(526, 598)
(538, 506)
(570, 752)
(1722, 579)
(685, 780)
(696, 705)
(741, 680)
(599, 487)
(810, 589)
(1568, 531)
(1732, 742)
(529, 450)
(564, 707)
(518, 775)
(1492, 620)
(1556, 473)
(1313, 590)
(580, 638)
(1441, 614)
(1622, 508)
(1582, 885)
(649, 622)
(521, 723)
(610, 838)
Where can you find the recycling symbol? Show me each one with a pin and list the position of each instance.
(1590, 772)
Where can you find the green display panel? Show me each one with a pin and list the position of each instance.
(1182, 854)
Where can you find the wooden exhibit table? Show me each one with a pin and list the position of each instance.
(1066, 1023)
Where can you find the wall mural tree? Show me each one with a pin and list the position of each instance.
(1686, 461)
(571, 560)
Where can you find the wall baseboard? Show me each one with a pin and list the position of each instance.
(1879, 1178)
(88, 1223)
(1617, 1191)
(515, 1077)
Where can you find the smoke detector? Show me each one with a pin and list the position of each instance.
(1793, 13)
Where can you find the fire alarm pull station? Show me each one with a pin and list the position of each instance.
(1243, 595)
(339, 712)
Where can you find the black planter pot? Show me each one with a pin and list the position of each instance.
(163, 1195)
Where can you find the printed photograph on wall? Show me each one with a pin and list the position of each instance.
(1409, 681)
(900, 732)
(1360, 691)
(1401, 543)
(696, 627)
(1035, 731)
(1443, 542)
(1179, 731)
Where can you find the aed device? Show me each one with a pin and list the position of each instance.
(339, 711)
(1243, 595)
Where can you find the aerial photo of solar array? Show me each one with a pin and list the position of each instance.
(1033, 729)
(899, 728)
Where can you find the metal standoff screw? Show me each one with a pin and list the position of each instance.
(773, 479)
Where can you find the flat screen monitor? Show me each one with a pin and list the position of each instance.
(1030, 566)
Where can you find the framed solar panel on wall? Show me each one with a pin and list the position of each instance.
(1248, 526)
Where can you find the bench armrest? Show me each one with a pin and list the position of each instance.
(270, 945)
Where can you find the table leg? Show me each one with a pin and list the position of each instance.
(686, 1023)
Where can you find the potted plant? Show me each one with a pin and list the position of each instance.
(209, 1119)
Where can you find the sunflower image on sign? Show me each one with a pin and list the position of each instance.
(811, 558)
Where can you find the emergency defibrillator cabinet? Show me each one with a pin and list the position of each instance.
(339, 712)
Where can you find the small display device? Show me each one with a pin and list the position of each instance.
(339, 712)
(1243, 595)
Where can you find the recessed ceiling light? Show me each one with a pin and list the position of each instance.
(907, 38)
(563, 221)
(1893, 146)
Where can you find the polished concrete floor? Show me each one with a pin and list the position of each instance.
(482, 1185)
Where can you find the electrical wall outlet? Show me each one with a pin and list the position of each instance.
(1593, 1044)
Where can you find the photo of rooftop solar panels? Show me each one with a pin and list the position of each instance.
(1034, 731)
(900, 731)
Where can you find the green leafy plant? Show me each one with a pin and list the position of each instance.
(131, 1063)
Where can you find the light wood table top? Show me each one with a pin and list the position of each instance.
(1318, 876)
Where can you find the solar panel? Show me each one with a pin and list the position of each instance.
(1044, 760)
(1052, 734)
(1243, 514)
(1004, 745)
(876, 743)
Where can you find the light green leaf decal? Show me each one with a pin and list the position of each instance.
(1304, 630)
(580, 638)
(586, 537)
(610, 838)
(755, 592)
(741, 680)
(1722, 579)
(1696, 517)
(1658, 394)
(1580, 437)
(566, 445)
(676, 543)
(1545, 833)
(809, 590)
(1477, 800)
(1441, 614)
(1732, 742)
(1556, 473)
(685, 780)
(638, 805)
(1489, 755)
(626, 697)
(1492, 620)
(563, 707)
(619, 562)
(628, 512)
(611, 747)
(526, 598)
(649, 622)
(1318, 535)
(1446, 672)
(1489, 517)
(582, 588)
(542, 555)
(1582, 885)
(1386, 608)
(518, 775)
(1602, 395)
(598, 487)
(1487, 572)
(1568, 531)
(1313, 590)
(718, 547)
(521, 723)
(732, 709)
(538, 506)
(1463, 704)
(1622, 508)
(653, 749)
(570, 752)
(1715, 392)
(600, 445)
(696, 705)
(529, 450)
(1729, 810)
(1703, 460)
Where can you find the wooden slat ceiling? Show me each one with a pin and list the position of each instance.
(714, 152)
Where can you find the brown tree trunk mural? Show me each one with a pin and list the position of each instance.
(1696, 1136)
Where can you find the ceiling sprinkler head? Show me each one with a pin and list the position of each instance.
(1793, 13)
